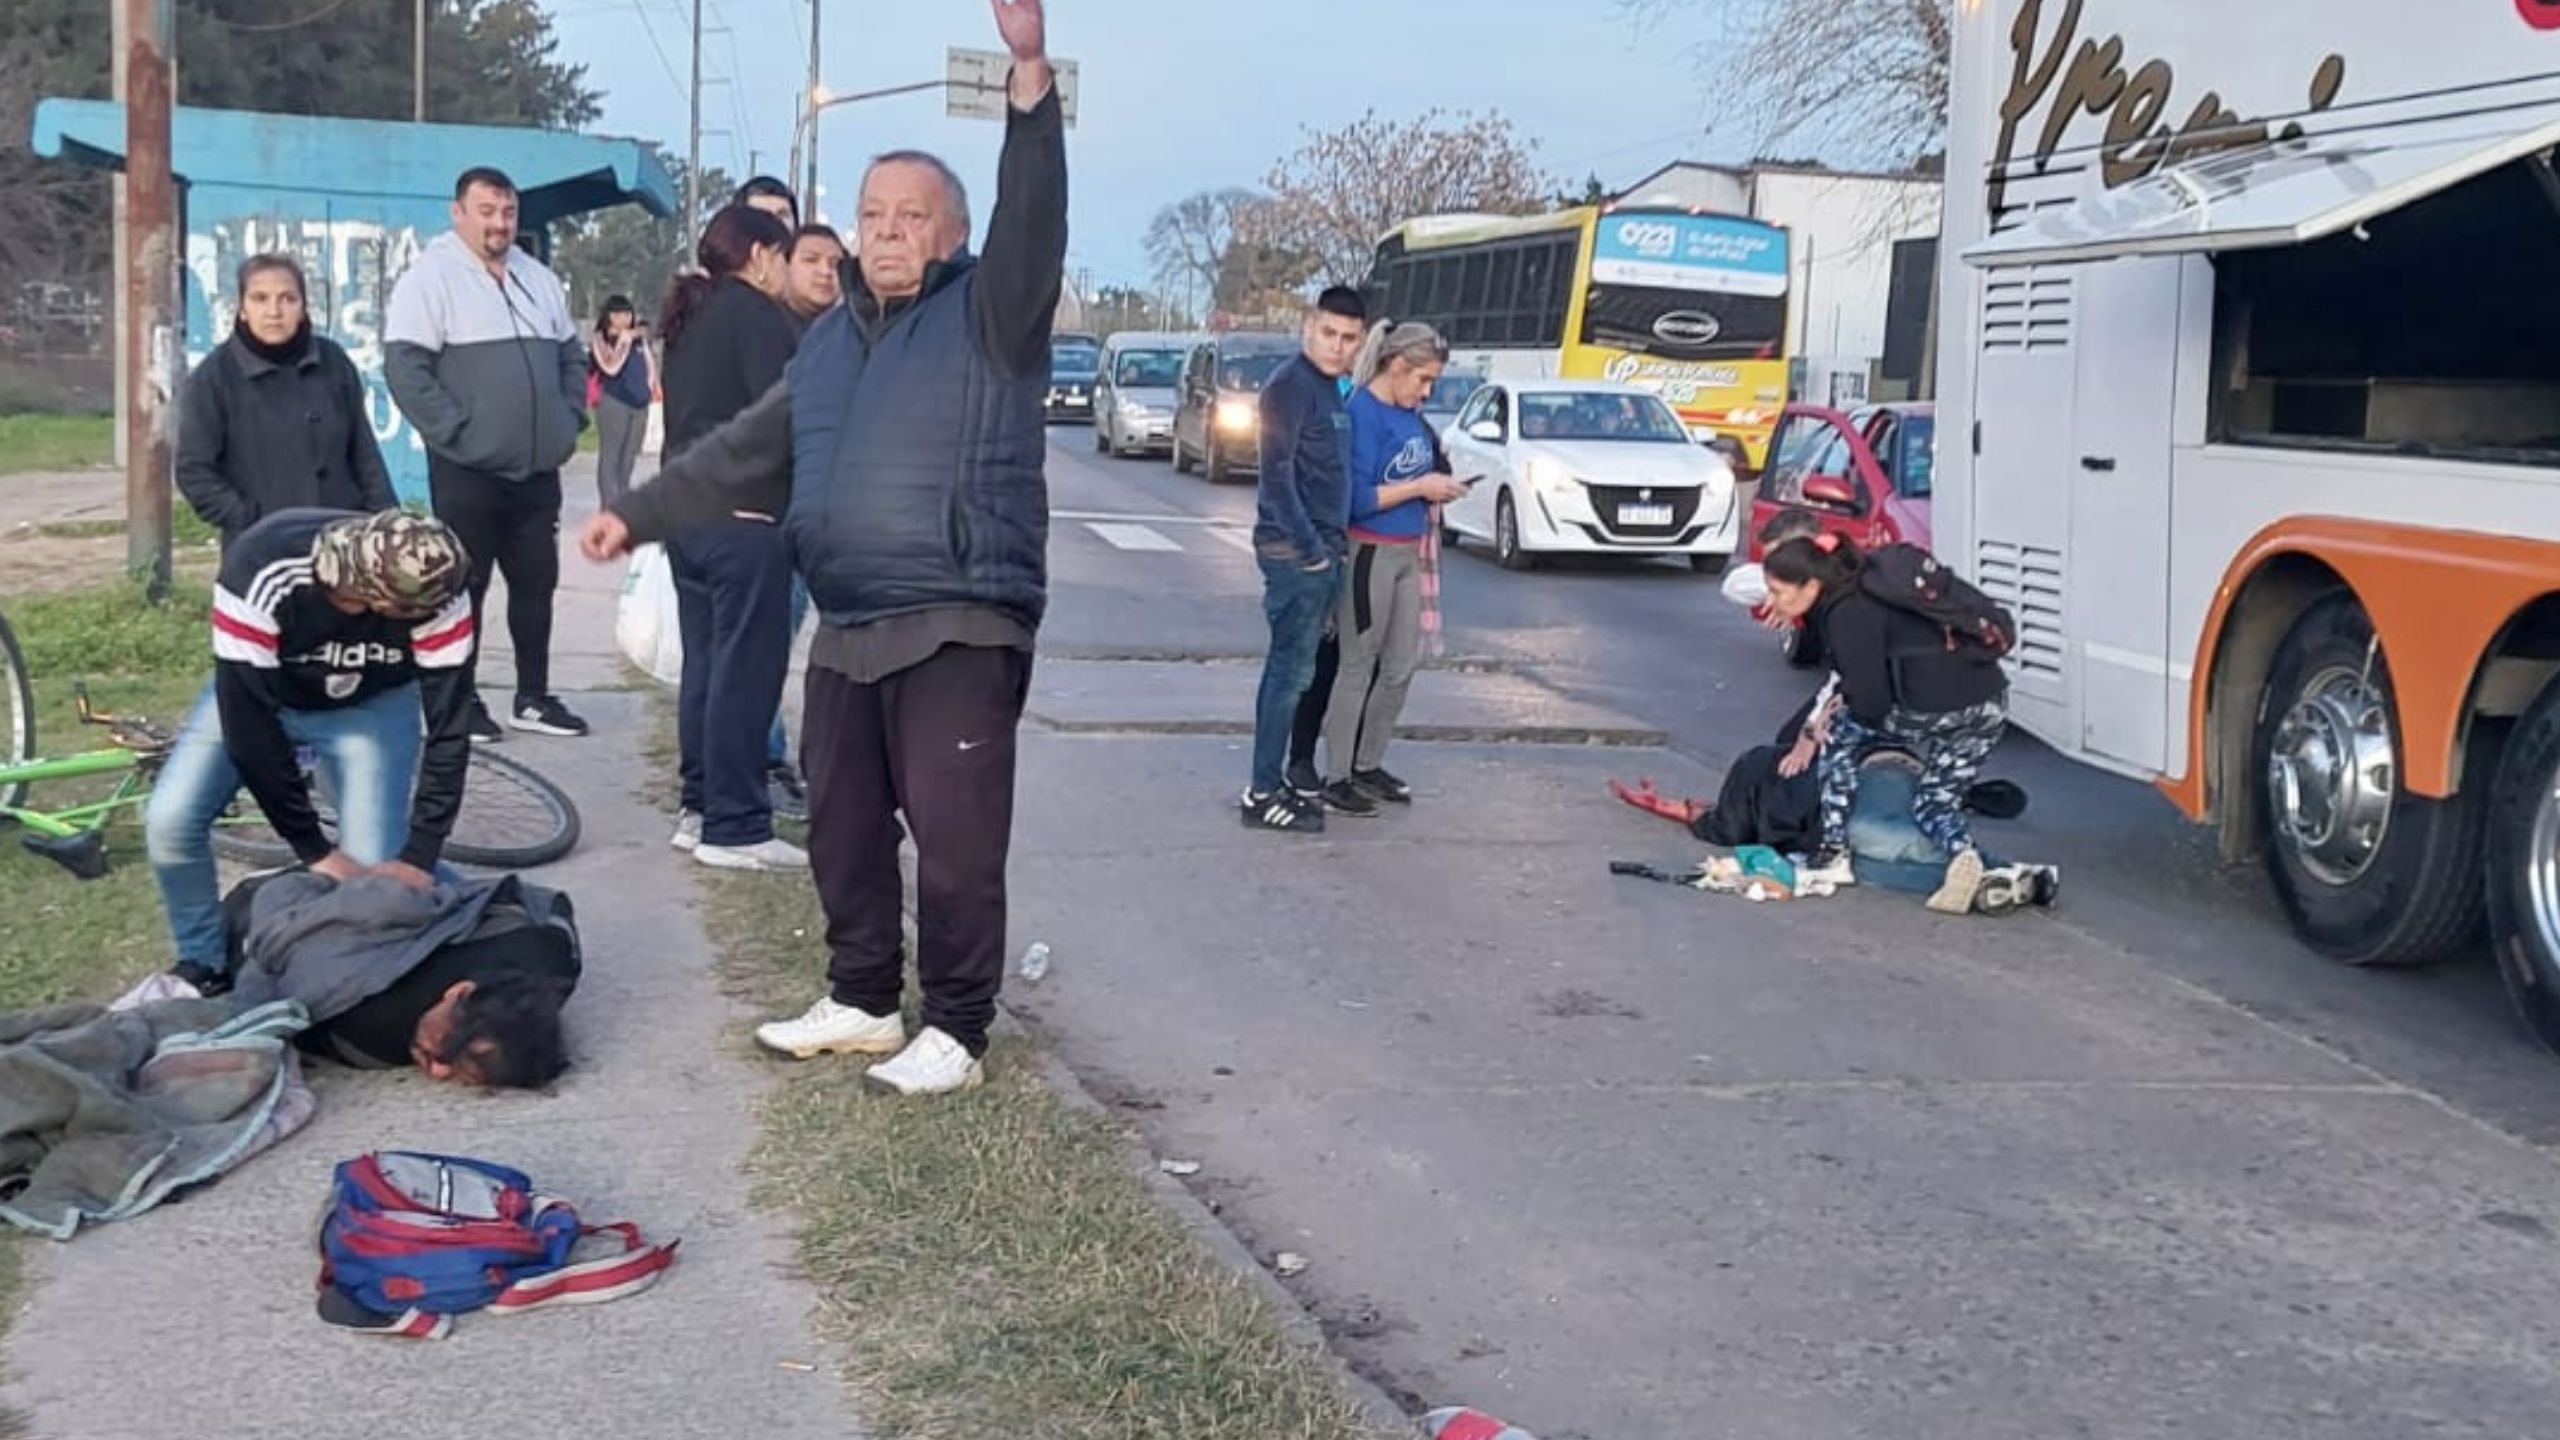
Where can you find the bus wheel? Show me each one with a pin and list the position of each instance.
(2369, 874)
(2524, 867)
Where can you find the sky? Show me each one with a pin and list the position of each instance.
(1173, 97)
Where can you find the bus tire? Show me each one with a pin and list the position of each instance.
(2369, 873)
(2524, 867)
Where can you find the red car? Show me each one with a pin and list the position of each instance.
(1864, 474)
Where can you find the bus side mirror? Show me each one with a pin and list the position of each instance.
(1830, 490)
(1488, 431)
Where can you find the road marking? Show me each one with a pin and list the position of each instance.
(1131, 537)
(1108, 516)
(1241, 539)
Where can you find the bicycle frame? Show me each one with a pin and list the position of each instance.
(73, 820)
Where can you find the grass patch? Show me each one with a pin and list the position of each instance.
(56, 442)
(67, 939)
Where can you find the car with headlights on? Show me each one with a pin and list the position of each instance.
(1587, 467)
(1074, 360)
(1134, 393)
(1217, 416)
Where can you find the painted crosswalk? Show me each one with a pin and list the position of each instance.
(1163, 534)
(1124, 535)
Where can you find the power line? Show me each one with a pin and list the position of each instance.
(668, 65)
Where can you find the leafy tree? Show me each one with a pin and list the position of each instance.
(1592, 193)
(628, 251)
(1343, 188)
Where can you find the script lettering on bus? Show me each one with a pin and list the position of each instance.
(2092, 80)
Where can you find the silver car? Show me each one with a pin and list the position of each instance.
(1133, 397)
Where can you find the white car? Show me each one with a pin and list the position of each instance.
(1587, 467)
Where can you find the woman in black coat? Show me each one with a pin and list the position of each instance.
(276, 417)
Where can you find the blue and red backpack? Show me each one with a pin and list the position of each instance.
(411, 1240)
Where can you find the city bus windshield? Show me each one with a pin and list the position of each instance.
(1687, 287)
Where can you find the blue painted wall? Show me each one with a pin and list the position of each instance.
(354, 201)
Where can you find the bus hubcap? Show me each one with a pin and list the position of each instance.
(2542, 870)
(2331, 776)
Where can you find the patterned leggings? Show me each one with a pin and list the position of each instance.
(1951, 745)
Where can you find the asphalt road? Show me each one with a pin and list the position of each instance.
(1622, 1161)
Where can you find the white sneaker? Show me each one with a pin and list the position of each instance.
(1964, 881)
(829, 1028)
(774, 854)
(1812, 879)
(935, 1064)
(688, 830)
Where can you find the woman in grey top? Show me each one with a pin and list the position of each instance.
(276, 417)
(618, 357)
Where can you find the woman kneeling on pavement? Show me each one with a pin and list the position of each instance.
(1390, 606)
(728, 339)
(1903, 684)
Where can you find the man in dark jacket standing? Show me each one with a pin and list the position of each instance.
(483, 356)
(909, 428)
(1302, 509)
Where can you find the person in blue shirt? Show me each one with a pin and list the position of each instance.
(1302, 506)
(1398, 474)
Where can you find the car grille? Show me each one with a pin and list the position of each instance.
(1683, 500)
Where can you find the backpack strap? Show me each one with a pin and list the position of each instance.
(633, 1269)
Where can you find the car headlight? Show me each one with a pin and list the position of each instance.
(1549, 478)
(1235, 415)
(1132, 410)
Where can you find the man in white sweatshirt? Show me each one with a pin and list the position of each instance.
(483, 356)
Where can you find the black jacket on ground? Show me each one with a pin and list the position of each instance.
(1886, 656)
(255, 437)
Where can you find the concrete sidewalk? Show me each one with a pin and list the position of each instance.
(197, 1318)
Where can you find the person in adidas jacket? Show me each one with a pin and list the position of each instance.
(484, 358)
(345, 633)
(1901, 682)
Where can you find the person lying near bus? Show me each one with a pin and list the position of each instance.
(1907, 680)
(347, 634)
(463, 979)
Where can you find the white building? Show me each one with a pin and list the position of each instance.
(1846, 226)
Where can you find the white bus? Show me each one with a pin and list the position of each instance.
(2250, 405)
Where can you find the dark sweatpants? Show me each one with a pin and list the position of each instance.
(514, 526)
(733, 599)
(1309, 725)
(933, 744)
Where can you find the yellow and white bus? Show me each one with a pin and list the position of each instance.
(2250, 363)
(1692, 306)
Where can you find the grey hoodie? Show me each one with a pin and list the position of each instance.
(493, 374)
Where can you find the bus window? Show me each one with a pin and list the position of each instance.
(1500, 298)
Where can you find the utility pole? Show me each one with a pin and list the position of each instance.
(418, 64)
(147, 265)
(809, 98)
(693, 147)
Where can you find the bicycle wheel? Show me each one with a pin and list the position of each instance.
(17, 713)
(512, 818)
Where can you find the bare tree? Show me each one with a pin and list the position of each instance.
(1189, 239)
(1857, 82)
(1342, 189)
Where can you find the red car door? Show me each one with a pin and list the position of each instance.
(1822, 465)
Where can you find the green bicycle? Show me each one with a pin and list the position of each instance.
(512, 816)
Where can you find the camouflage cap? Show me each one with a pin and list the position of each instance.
(392, 559)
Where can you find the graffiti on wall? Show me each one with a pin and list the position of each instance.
(349, 266)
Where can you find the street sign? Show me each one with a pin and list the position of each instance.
(973, 87)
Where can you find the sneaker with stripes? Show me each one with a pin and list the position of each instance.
(1280, 810)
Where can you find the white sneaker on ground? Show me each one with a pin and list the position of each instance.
(1816, 877)
(688, 830)
(934, 1064)
(829, 1028)
(1964, 882)
(774, 854)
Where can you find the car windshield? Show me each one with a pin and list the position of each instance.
(1147, 369)
(1449, 394)
(1575, 415)
(1914, 468)
(1065, 360)
(1249, 371)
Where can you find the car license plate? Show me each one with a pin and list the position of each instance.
(1644, 514)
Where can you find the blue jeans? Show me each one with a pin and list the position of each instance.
(733, 592)
(366, 756)
(778, 748)
(1296, 603)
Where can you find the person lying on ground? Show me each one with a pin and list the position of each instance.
(465, 980)
(1904, 682)
(341, 632)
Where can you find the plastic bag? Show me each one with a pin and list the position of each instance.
(653, 436)
(644, 619)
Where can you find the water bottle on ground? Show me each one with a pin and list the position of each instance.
(1457, 1422)
(1035, 962)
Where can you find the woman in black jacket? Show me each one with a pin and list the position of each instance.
(1903, 681)
(727, 339)
(276, 417)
